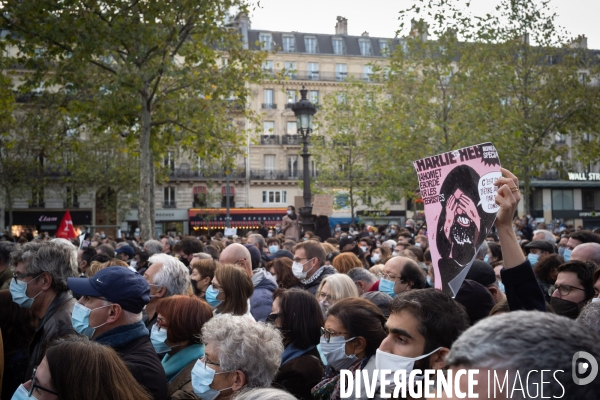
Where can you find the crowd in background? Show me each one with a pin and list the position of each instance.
(278, 313)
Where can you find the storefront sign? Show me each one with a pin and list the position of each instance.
(161, 215)
(584, 176)
(48, 218)
(589, 214)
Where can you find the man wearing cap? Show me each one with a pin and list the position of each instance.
(538, 249)
(264, 283)
(110, 312)
(125, 253)
(484, 274)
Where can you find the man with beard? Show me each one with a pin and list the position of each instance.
(462, 225)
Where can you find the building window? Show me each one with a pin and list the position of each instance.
(170, 161)
(291, 96)
(269, 162)
(289, 44)
(313, 168)
(340, 72)
(274, 197)
(291, 128)
(562, 199)
(268, 127)
(559, 138)
(169, 197)
(590, 200)
(267, 66)
(384, 47)
(313, 71)
(342, 98)
(313, 96)
(268, 99)
(72, 198)
(228, 192)
(582, 77)
(266, 41)
(365, 47)
(310, 42)
(338, 46)
(200, 197)
(367, 72)
(37, 198)
(290, 69)
(537, 200)
(292, 162)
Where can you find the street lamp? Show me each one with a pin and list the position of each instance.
(304, 111)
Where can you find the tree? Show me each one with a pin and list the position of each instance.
(346, 159)
(162, 72)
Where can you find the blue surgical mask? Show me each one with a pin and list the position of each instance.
(158, 337)
(22, 394)
(567, 254)
(533, 258)
(273, 249)
(561, 251)
(418, 244)
(501, 287)
(392, 231)
(375, 258)
(211, 296)
(202, 378)
(486, 259)
(80, 319)
(18, 291)
(387, 287)
(429, 281)
(335, 352)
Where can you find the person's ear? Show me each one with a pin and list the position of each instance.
(206, 281)
(360, 344)
(239, 381)
(162, 292)
(438, 359)
(114, 312)
(46, 279)
(494, 291)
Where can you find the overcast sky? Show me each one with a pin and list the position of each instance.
(380, 17)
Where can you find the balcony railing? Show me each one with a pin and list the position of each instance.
(291, 139)
(330, 76)
(207, 173)
(288, 106)
(269, 174)
(269, 139)
(169, 204)
(68, 204)
(269, 106)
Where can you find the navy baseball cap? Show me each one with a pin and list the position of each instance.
(254, 253)
(118, 285)
(127, 250)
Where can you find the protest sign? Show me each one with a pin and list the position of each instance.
(458, 192)
(323, 205)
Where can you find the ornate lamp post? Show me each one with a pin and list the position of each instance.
(304, 111)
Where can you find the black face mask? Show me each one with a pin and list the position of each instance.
(194, 287)
(184, 261)
(565, 308)
(271, 319)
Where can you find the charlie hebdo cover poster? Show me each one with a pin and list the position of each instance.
(458, 194)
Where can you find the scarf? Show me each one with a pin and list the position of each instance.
(174, 364)
(315, 276)
(329, 388)
(290, 352)
(123, 335)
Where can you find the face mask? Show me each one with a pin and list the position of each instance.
(565, 308)
(533, 258)
(561, 251)
(80, 319)
(364, 248)
(395, 363)
(595, 300)
(202, 378)
(338, 229)
(102, 236)
(370, 233)
(273, 249)
(501, 287)
(269, 235)
(378, 245)
(18, 290)
(304, 239)
(335, 353)
(418, 244)
(211, 296)
(298, 269)
(289, 212)
(158, 337)
(22, 394)
(486, 259)
(194, 288)
(377, 236)
(395, 254)
(428, 281)
(392, 231)
(567, 254)
(375, 257)
(324, 306)
(387, 287)
(351, 231)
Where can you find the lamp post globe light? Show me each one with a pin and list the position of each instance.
(304, 111)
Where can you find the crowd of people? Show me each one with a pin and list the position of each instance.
(278, 314)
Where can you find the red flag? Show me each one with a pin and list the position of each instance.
(66, 230)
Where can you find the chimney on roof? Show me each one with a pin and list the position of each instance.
(580, 42)
(365, 33)
(419, 30)
(341, 27)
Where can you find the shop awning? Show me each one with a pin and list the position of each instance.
(199, 190)
(241, 218)
(231, 190)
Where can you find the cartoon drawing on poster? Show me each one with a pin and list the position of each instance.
(459, 196)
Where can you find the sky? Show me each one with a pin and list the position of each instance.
(380, 17)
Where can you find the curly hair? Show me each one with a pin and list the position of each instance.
(242, 344)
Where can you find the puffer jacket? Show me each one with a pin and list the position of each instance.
(56, 323)
(262, 298)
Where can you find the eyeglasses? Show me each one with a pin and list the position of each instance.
(19, 277)
(325, 296)
(391, 278)
(34, 385)
(205, 361)
(327, 334)
(564, 290)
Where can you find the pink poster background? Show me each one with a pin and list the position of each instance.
(458, 187)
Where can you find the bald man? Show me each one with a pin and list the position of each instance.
(264, 283)
(587, 252)
(401, 274)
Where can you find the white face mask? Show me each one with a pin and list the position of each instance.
(335, 352)
(395, 254)
(364, 248)
(395, 363)
(595, 299)
(289, 212)
(298, 269)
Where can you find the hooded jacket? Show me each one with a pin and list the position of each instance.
(262, 298)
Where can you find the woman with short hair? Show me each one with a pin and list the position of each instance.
(202, 274)
(177, 333)
(353, 331)
(296, 313)
(334, 288)
(345, 262)
(97, 370)
(381, 255)
(230, 291)
(281, 269)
